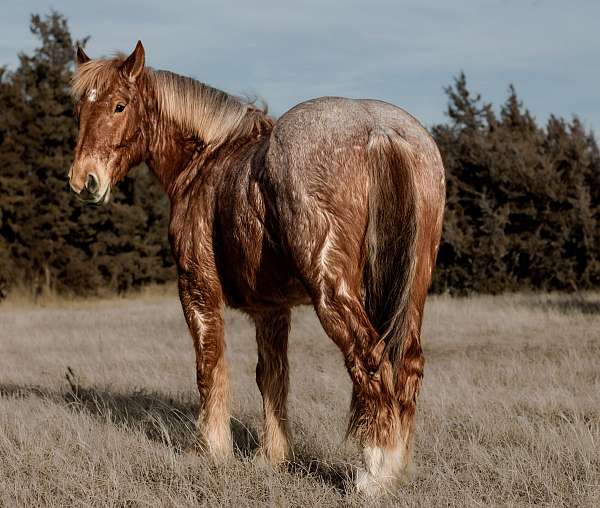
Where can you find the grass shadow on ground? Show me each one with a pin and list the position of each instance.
(337, 476)
(162, 419)
(172, 422)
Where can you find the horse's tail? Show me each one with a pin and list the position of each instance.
(391, 240)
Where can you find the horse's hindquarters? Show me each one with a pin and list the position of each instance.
(360, 199)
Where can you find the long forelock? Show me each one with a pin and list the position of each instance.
(96, 76)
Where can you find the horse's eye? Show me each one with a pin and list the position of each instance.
(119, 108)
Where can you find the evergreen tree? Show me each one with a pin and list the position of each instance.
(523, 201)
(49, 240)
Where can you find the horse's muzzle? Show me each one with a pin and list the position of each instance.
(90, 193)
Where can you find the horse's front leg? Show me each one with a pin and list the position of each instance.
(204, 315)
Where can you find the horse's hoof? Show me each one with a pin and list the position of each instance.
(217, 456)
(194, 449)
(261, 460)
(367, 485)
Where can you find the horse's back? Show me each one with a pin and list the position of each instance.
(327, 126)
(327, 140)
(316, 123)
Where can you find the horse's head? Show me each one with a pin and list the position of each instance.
(111, 117)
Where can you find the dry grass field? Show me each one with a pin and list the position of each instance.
(97, 402)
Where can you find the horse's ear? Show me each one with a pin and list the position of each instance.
(81, 56)
(134, 65)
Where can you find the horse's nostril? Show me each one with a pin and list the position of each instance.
(92, 184)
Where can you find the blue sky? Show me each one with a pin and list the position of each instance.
(404, 52)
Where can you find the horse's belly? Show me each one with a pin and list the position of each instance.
(255, 275)
(254, 295)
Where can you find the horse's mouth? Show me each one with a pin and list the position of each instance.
(106, 196)
(95, 199)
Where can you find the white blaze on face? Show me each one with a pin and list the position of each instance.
(92, 95)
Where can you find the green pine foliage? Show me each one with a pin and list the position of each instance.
(523, 201)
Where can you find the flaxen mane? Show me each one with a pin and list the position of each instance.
(211, 114)
(215, 116)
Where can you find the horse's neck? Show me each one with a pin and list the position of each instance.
(170, 153)
(176, 158)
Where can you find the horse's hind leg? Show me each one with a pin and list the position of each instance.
(375, 413)
(272, 377)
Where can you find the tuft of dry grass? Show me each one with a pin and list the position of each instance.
(97, 402)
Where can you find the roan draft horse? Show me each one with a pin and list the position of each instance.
(338, 203)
